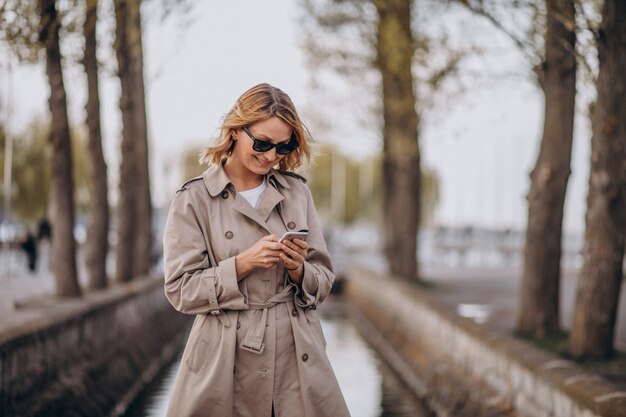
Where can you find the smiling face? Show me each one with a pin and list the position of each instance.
(248, 162)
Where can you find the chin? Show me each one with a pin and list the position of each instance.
(258, 170)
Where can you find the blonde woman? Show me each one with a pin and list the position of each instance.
(256, 347)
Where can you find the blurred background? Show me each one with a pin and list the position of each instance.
(496, 90)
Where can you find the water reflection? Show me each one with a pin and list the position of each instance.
(370, 388)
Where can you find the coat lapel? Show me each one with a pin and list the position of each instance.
(270, 198)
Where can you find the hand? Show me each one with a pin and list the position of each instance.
(293, 257)
(263, 254)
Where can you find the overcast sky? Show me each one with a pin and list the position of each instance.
(483, 144)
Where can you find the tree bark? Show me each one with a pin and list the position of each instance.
(62, 201)
(538, 312)
(135, 206)
(143, 210)
(126, 232)
(598, 291)
(97, 245)
(401, 156)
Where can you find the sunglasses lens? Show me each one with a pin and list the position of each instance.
(261, 146)
(284, 149)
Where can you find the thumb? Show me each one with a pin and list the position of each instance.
(269, 238)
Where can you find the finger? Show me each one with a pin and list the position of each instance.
(301, 243)
(298, 247)
(289, 251)
(273, 252)
(269, 261)
(289, 262)
(269, 238)
(275, 246)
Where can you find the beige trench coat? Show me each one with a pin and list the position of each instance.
(255, 342)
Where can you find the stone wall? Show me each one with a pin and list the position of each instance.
(90, 356)
(533, 382)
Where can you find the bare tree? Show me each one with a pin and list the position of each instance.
(134, 244)
(63, 243)
(554, 62)
(142, 250)
(538, 312)
(97, 245)
(401, 156)
(598, 292)
(376, 46)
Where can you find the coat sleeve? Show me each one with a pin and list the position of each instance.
(318, 271)
(192, 284)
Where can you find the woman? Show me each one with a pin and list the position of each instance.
(256, 347)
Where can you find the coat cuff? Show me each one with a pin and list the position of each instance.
(229, 295)
(306, 293)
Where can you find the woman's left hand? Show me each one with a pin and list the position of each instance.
(293, 256)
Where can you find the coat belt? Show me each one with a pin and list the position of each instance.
(253, 340)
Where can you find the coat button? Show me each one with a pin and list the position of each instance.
(294, 312)
(225, 194)
(228, 235)
(305, 357)
(291, 225)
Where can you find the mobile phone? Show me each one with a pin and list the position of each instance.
(302, 234)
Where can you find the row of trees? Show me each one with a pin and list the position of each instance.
(392, 43)
(35, 28)
(30, 178)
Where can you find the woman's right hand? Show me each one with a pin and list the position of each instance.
(263, 254)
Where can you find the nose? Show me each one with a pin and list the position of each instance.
(271, 155)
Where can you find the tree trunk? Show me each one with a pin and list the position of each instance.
(62, 201)
(97, 245)
(135, 206)
(401, 157)
(598, 292)
(126, 232)
(143, 210)
(538, 312)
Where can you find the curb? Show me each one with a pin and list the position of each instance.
(535, 382)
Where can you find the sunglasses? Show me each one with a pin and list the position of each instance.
(281, 148)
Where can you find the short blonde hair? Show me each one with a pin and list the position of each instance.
(255, 105)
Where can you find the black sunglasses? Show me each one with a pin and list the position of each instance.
(281, 148)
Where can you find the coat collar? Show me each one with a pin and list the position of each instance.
(216, 180)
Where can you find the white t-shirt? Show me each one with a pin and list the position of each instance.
(254, 195)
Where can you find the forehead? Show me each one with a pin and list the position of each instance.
(274, 129)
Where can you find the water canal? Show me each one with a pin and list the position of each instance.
(370, 387)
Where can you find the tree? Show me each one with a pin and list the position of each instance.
(63, 244)
(601, 276)
(538, 313)
(362, 187)
(554, 63)
(401, 156)
(373, 45)
(134, 244)
(97, 245)
(31, 173)
(190, 164)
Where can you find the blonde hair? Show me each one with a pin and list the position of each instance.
(255, 105)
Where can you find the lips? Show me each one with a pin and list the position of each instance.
(263, 163)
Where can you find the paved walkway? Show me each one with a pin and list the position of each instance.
(24, 295)
(489, 295)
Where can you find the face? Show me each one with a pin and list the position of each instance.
(273, 130)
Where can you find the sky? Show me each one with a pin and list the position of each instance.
(482, 143)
